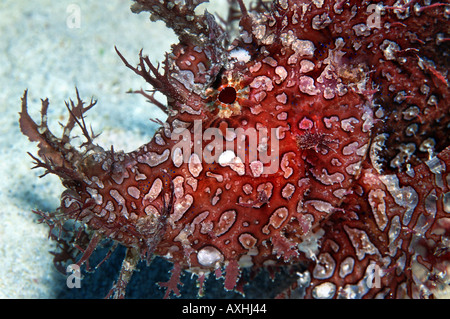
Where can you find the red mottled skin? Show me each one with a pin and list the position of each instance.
(358, 100)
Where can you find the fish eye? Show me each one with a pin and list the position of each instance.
(227, 95)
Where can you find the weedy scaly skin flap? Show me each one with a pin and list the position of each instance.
(318, 137)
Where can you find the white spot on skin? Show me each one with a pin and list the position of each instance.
(360, 242)
(295, 18)
(325, 266)
(256, 109)
(117, 197)
(247, 240)
(378, 205)
(446, 202)
(394, 231)
(240, 55)
(431, 203)
(306, 85)
(406, 196)
(178, 186)
(208, 256)
(102, 213)
(185, 77)
(247, 38)
(95, 195)
(321, 206)
(362, 150)
(281, 98)
(120, 176)
(197, 221)
(353, 169)
(361, 30)
(259, 31)
(255, 68)
(207, 227)
(97, 181)
(180, 207)
(153, 159)
(193, 182)
(305, 124)
(228, 158)
(346, 267)
(280, 132)
(347, 124)
(159, 140)
(306, 66)
(302, 48)
(285, 161)
(328, 121)
(389, 49)
(257, 168)
(328, 93)
(288, 190)
(111, 217)
(134, 192)
(121, 201)
(283, 4)
(318, 3)
(276, 219)
(350, 148)
(268, 40)
(270, 61)
(329, 179)
(216, 197)
(109, 206)
(218, 177)
(247, 189)
(324, 291)
(320, 22)
(282, 116)
(340, 193)
(259, 96)
(225, 222)
(437, 167)
(282, 73)
(154, 191)
(151, 210)
(335, 162)
(139, 176)
(262, 82)
(367, 117)
(195, 165)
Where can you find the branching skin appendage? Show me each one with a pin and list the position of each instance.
(314, 136)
